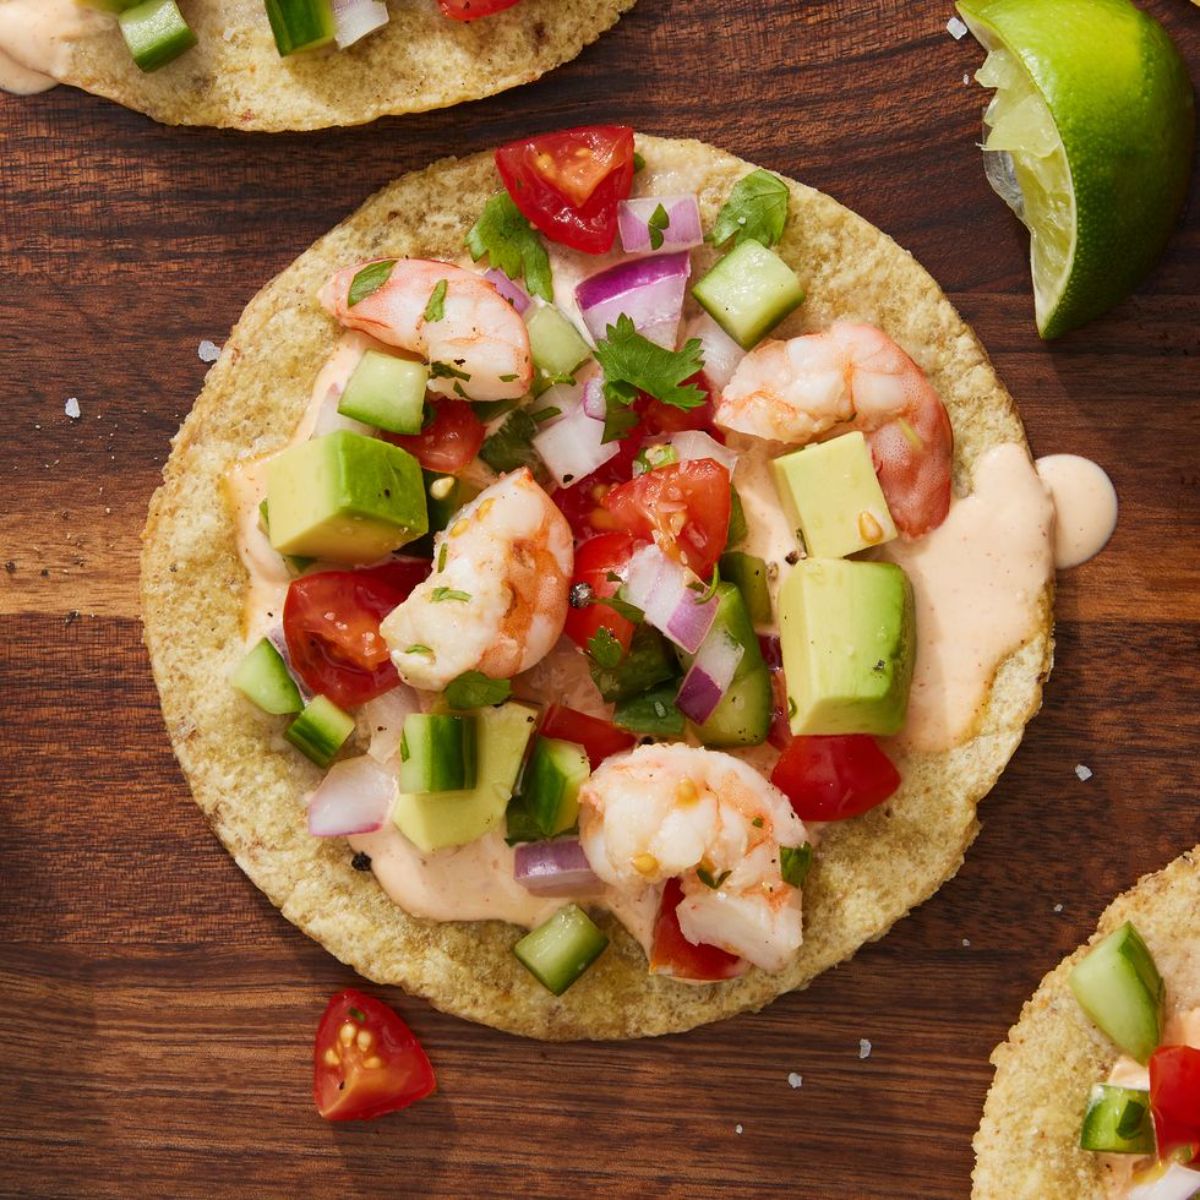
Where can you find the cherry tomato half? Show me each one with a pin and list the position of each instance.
(331, 623)
(568, 184)
(829, 778)
(366, 1061)
(599, 738)
(672, 954)
(468, 10)
(1175, 1099)
(686, 504)
(595, 560)
(449, 442)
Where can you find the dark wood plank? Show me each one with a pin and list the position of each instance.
(155, 1011)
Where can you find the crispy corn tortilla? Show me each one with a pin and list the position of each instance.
(1027, 1147)
(420, 60)
(869, 871)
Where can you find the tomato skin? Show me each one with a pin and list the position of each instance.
(672, 954)
(686, 504)
(449, 442)
(468, 10)
(571, 204)
(658, 417)
(595, 560)
(599, 738)
(345, 657)
(830, 778)
(352, 1091)
(1175, 1099)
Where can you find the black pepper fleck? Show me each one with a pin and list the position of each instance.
(580, 595)
(45, 572)
(792, 559)
(361, 862)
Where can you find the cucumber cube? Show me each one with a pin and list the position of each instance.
(155, 33)
(550, 788)
(301, 24)
(558, 951)
(556, 345)
(749, 575)
(1117, 1121)
(320, 731)
(438, 753)
(748, 292)
(262, 677)
(386, 392)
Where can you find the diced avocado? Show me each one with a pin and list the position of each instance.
(1117, 1121)
(848, 633)
(556, 346)
(296, 564)
(559, 950)
(155, 32)
(320, 731)
(653, 713)
(386, 392)
(749, 575)
(832, 497)
(345, 498)
(1120, 989)
(550, 787)
(647, 662)
(436, 820)
(262, 677)
(748, 292)
(438, 753)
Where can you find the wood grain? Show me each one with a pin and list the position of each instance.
(155, 1011)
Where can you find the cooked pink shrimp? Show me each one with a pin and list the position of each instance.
(667, 811)
(852, 377)
(497, 598)
(478, 347)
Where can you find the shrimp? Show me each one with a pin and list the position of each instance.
(478, 348)
(497, 598)
(666, 811)
(845, 378)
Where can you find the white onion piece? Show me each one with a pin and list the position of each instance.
(354, 19)
(555, 868)
(573, 446)
(594, 403)
(383, 720)
(1177, 1183)
(649, 291)
(668, 594)
(512, 291)
(683, 229)
(720, 352)
(709, 676)
(329, 420)
(692, 444)
(354, 797)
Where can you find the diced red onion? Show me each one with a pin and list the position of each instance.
(692, 444)
(512, 291)
(555, 868)
(1177, 1183)
(354, 19)
(383, 719)
(354, 797)
(683, 223)
(669, 595)
(572, 446)
(593, 400)
(649, 291)
(709, 676)
(720, 352)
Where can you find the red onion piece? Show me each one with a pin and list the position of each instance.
(354, 797)
(512, 291)
(555, 868)
(720, 352)
(593, 400)
(669, 595)
(649, 291)
(692, 444)
(572, 446)
(354, 19)
(709, 676)
(683, 223)
(1178, 1183)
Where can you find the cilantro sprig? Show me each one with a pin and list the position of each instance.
(511, 245)
(757, 209)
(474, 689)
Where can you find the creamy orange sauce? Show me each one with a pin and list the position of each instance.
(35, 41)
(1085, 507)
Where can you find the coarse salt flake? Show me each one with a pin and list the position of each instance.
(737, 1129)
(1058, 908)
(864, 1048)
(209, 351)
(966, 77)
(795, 1079)
(72, 409)
(1084, 773)
(966, 941)
(956, 29)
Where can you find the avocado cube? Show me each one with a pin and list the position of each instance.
(832, 497)
(345, 497)
(848, 633)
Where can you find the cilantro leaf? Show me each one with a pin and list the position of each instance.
(511, 446)
(795, 863)
(474, 689)
(435, 310)
(656, 224)
(369, 280)
(511, 245)
(604, 649)
(757, 209)
(446, 593)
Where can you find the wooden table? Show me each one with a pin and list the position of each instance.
(157, 1012)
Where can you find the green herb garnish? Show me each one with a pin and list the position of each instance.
(442, 557)
(511, 245)
(757, 209)
(544, 414)
(795, 862)
(474, 689)
(511, 446)
(639, 163)
(604, 649)
(656, 224)
(435, 310)
(445, 593)
(707, 878)
(357, 1015)
(418, 648)
(369, 280)
(440, 370)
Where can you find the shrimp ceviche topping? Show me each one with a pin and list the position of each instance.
(583, 587)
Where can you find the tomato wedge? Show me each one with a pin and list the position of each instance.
(468, 10)
(1175, 1100)
(331, 623)
(672, 954)
(830, 778)
(366, 1061)
(599, 738)
(685, 505)
(449, 442)
(568, 184)
(595, 560)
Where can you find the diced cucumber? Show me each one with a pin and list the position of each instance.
(1120, 989)
(320, 731)
(653, 713)
(748, 292)
(386, 392)
(749, 575)
(555, 344)
(550, 787)
(155, 33)
(438, 753)
(738, 529)
(301, 24)
(559, 950)
(262, 677)
(1117, 1121)
(647, 662)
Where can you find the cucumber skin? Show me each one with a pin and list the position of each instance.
(559, 950)
(441, 753)
(749, 575)
(263, 678)
(320, 731)
(1107, 1106)
(550, 789)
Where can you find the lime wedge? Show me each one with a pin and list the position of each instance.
(1089, 139)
